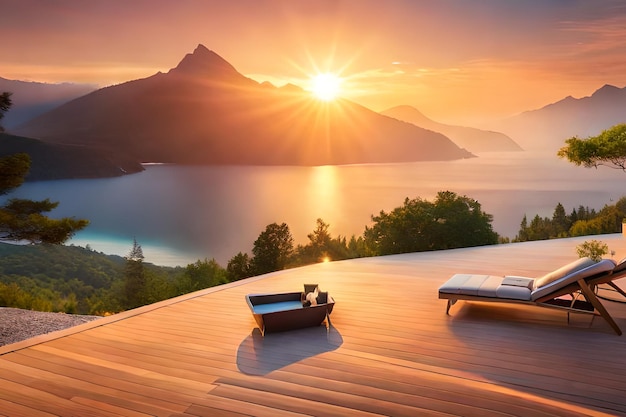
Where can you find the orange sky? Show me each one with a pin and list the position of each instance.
(456, 61)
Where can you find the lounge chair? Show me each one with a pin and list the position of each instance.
(576, 279)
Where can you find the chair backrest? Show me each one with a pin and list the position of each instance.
(620, 268)
(557, 274)
(567, 274)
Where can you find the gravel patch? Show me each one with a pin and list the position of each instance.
(17, 324)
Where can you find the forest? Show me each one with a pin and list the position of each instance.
(77, 280)
(580, 222)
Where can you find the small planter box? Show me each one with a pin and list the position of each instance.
(287, 311)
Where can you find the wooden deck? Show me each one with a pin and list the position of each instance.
(391, 349)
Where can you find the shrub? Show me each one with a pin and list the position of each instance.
(594, 249)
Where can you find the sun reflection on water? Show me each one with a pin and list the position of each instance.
(324, 183)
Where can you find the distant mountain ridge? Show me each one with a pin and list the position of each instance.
(52, 161)
(472, 139)
(205, 112)
(548, 128)
(30, 99)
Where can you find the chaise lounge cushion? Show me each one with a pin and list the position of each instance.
(571, 267)
(490, 286)
(620, 267)
(570, 273)
(522, 288)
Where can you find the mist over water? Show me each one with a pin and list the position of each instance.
(180, 214)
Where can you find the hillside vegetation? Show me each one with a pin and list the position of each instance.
(79, 280)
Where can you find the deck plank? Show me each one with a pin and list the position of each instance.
(390, 349)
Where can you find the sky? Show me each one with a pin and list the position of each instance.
(457, 61)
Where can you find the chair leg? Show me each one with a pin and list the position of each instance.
(591, 297)
(618, 289)
(450, 304)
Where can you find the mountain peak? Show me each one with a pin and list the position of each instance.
(407, 113)
(607, 91)
(205, 62)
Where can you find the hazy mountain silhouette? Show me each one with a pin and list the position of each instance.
(549, 127)
(30, 99)
(52, 161)
(472, 139)
(204, 112)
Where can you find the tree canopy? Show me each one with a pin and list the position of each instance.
(272, 249)
(608, 149)
(451, 221)
(322, 247)
(5, 105)
(581, 222)
(13, 170)
(22, 219)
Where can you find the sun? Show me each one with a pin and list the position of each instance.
(326, 86)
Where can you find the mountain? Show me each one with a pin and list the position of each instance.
(205, 112)
(51, 161)
(474, 140)
(549, 127)
(30, 99)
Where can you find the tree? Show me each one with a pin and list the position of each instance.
(522, 235)
(540, 228)
(405, 229)
(451, 221)
(460, 222)
(5, 105)
(136, 252)
(272, 249)
(22, 219)
(238, 267)
(608, 149)
(320, 238)
(135, 294)
(608, 220)
(357, 248)
(13, 170)
(200, 275)
(621, 207)
(560, 222)
(322, 246)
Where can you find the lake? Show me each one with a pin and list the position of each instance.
(180, 214)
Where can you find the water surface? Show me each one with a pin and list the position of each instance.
(180, 214)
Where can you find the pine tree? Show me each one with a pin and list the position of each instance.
(135, 291)
(22, 219)
(560, 222)
(136, 253)
(522, 235)
(5, 105)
